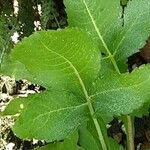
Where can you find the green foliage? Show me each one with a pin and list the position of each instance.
(88, 137)
(67, 144)
(104, 24)
(6, 28)
(49, 13)
(53, 15)
(87, 141)
(56, 114)
(26, 16)
(59, 58)
(81, 85)
(63, 71)
(126, 91)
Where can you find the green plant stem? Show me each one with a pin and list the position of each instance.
(130, 133)
(130, 126)
(92, 112)
(114, 63)
(87, 97)
(129, 122)
(97, 126)
(91, 109)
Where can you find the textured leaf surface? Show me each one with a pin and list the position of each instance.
(116, 93)
(65, 61)
(121, 93)
(59, 59)
(103, 22)
(51, 116)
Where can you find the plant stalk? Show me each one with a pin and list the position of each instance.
(130, 133)
(97, 126)
(91, 109)
(101, 138)
(129, 121)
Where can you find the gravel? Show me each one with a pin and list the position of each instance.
(10, 89)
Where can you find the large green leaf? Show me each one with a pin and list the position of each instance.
(66, 62)
(103, 22)
(121, 93)
(51, 116)
(59, 59)
(116, 94)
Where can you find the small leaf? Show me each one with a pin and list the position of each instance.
(117, 94)
(51, 116)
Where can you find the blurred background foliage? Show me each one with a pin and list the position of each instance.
(22, 17)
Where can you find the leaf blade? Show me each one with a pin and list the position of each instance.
(122, 93)
(117, 41)
(46, 112)
(59, 52)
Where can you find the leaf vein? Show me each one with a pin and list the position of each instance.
(121, 88)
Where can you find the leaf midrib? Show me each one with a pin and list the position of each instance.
(96, 27)
(75, 71)
(101, 38)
